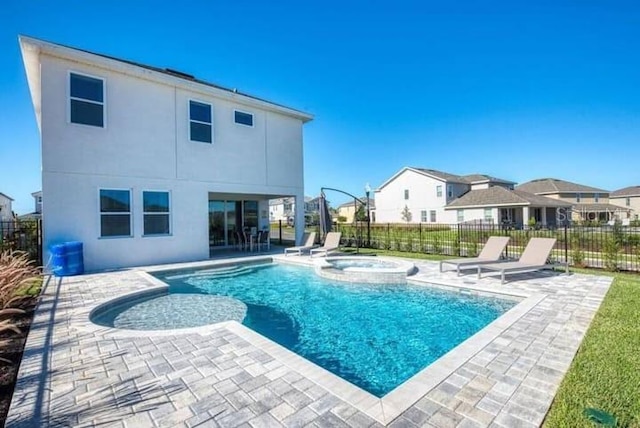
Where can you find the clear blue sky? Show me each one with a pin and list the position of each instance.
(515, 89)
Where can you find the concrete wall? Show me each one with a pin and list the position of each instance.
(145, 146)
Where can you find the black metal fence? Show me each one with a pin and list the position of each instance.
(22, 235)
(613, 248)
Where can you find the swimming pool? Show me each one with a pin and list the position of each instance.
(374, 336)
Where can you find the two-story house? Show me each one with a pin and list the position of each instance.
(629, 199)
(587, 203)
(347, 211)
(432, 196)
(37, 207)
(149, 165)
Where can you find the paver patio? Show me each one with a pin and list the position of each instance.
(75, 373)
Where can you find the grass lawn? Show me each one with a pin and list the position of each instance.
(605, 374)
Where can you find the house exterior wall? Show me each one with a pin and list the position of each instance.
(37, 201)
(390, 200)
(6, 211)
(585, 198)
(145, 146)
(634, 204)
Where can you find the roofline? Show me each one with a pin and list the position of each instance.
(408, 168)
(513, 204)
(633, 195)
(7, 196)
(31, 47)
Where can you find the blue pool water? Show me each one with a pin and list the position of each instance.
(374, 336)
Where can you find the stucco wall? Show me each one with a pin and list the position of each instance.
(145, 146)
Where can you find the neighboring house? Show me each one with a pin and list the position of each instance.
(629, 199)
(37, 212)
(426, 193)
(349, 209)
(6, 212)
(588, 203)
(146, 165)
(498, 204)
(284, 209)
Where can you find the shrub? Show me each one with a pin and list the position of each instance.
(473, 248)
(611, 249)
(15, 270)
(436, 245)
(577, 253)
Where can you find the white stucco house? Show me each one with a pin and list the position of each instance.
(147, 165)
(432, 196)
(6, 210)
(36, 214)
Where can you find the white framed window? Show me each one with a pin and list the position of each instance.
(243, 118)
(596, 198)
(406, 194)
(578, 197)
(628, 202)
(115, 213)
(439, 191)
(156, 209)
(449, 191)
(488, 215)
(432, 214)
(460, 214)
(423, 216)
(86, 99)
(200, 122)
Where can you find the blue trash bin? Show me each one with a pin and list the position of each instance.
(67, 259)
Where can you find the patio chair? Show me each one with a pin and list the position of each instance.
(308, 240)
(491, 253)
(533, 258)
(263, 240)
(331, 243)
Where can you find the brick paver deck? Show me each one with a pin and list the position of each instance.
(77, 374)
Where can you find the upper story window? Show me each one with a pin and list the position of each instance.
(406, 194)
(156, 213)
(86, 100)
(596, 198)
(439, 191)
(115, 213)
(578, 197)
(200, 122)
(449, 191)
(243, 118)
(628, 202)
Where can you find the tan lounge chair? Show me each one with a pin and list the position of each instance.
(534, 257)
(491, 253)
(308, 240)
(331, 243)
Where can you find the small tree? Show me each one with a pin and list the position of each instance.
(406, 214)
(361, 214)
(611, 250)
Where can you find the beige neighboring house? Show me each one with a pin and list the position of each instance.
(587, 203)
(348, 209)
(502, 205)
(629, 199)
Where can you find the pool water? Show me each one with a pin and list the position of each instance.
(374, 336)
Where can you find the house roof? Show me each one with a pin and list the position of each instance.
(32, 47)
(372, 202)
(445, 176)
(38, 193)
(542, 186)
(626, 192)
(483, 178)
(500, 196)
(6, 196)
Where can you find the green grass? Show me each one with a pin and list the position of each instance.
(605, 374)
(30, 288)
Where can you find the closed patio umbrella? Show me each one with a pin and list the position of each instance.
(325, 216)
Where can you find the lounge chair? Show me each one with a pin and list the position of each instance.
(534, 257)
(491, 253)
(331, 243)
(308, 240)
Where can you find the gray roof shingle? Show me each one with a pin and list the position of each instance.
(498, 195)
(626, 192)
(554, 185)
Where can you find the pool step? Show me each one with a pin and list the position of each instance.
(222, 272)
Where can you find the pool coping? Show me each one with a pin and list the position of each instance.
(384, 409)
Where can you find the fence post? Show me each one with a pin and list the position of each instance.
(389, 235)
(566, 247)
(420, 237)
(459, 240)
(280, 232)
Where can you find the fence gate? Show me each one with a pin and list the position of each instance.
(22, 235)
